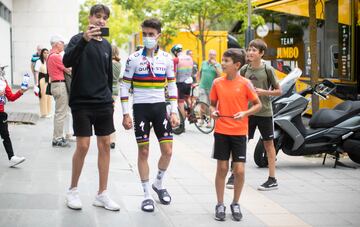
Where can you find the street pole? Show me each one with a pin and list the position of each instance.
(249, 33)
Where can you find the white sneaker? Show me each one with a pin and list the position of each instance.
(15, 160)
(73, 199)
(103, 200)
(70, 138)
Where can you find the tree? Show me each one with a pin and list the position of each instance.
(145, 9)
(121, 22)
(313, 53)
(202, 13)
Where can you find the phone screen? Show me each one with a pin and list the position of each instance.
(104, 31)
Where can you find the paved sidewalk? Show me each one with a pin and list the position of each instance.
(33, 194)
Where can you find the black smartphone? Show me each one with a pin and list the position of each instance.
(104, 31)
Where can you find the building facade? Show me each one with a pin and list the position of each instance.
(24, 24)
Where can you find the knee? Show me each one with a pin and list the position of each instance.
(82, 148)
(143, 153)
(167, 153)
(222, 170)
(239, 172)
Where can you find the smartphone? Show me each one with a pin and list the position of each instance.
(104, 31)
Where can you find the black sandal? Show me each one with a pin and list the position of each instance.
(147, 202)
(162, 193)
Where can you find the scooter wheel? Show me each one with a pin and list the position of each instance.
(354, 157)
(260, 156)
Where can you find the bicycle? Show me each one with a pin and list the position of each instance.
(198, 113)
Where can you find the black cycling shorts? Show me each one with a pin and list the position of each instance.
(224, 145)
(154, 113)
(265, 125)
(184, 90)
(101, 119)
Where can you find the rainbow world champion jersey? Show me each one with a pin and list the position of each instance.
(148, 76)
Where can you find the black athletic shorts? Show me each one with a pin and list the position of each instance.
(224, 145)
(265, 125)
(184, 90)
(156, 114)
(101, 119)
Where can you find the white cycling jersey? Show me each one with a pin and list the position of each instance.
(148, 76)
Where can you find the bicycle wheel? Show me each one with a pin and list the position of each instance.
(204, 122)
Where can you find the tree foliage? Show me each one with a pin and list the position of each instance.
(121, 22)
(204, 14)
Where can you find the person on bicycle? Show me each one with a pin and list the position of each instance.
(148, 70)
(183, 65)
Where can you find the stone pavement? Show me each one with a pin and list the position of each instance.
(33, 194)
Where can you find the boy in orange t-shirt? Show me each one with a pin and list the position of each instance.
(229, 98)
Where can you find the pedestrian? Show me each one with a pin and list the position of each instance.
(115, 84)
(91, 103)
(68, 131)
(148, 70)
(56, 70)
(34, 58)
(42, 81)
(183, 72)
(210, 70)
(266, 84)
(195, 65)
(229, 97)
(6, 94)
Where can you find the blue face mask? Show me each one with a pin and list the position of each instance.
(149, 42)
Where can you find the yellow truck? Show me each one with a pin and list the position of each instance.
(287, 36)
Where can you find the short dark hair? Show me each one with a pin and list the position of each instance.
(258, 44)
(99, 8)
(236, 54)
(152, 23)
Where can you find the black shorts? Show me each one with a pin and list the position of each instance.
(265, 125)
(184, 90)
(101, 119)
(156, 114)
(224, 145)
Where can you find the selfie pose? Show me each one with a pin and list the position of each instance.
(91, 103)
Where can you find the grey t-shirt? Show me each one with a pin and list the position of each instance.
(263, 80)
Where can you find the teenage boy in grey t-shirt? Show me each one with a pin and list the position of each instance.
(266, 84)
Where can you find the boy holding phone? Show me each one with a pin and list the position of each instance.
(91, 103)
(229, 98)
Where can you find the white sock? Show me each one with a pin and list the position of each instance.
(159, 179)
(146, 187)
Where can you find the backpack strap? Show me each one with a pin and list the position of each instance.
(268, 73)
(246, 68)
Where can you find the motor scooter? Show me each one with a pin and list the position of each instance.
(331, 131)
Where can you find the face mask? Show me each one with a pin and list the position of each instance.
(149, 42)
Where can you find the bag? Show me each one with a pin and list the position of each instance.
(48, 89)
(68, 79)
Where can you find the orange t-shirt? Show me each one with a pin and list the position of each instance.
(232, 96)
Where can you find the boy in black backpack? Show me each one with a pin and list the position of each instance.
(266, 84)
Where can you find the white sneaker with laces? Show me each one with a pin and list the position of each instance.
(104, 200)
(15, 160)
(73, 199)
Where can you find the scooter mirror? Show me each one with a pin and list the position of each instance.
(324, 88)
